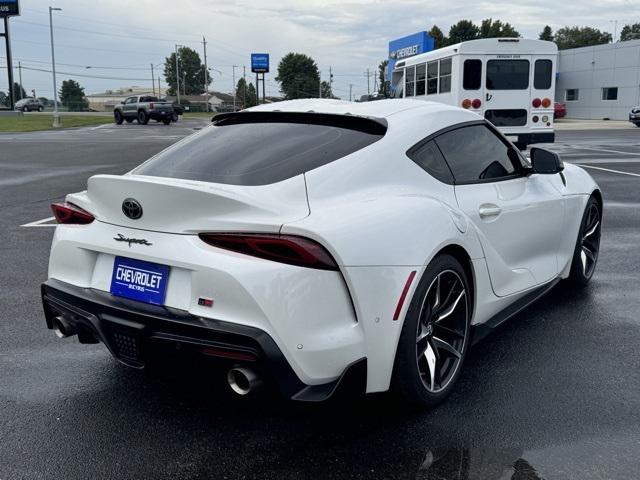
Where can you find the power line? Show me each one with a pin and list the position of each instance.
(86, 76)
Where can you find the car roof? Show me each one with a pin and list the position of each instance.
(378, 109)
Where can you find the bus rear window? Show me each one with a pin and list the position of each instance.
(472, 76)
(542, 75)
(508, 74)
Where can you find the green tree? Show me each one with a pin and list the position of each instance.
(191, 71)
(72, 96)
(4, 99)
(245, 94)
(438, 37)
(546, 34)
(497, 29)
(327, 92)
(252, 98)
(18, 91)
(576, 37)
(463, 31)
(383, 84)
(630, 32)
(298, 76)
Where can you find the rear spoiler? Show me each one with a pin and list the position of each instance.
(371, 125)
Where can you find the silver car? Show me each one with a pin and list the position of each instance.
(29, 105)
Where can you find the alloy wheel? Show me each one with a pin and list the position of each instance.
(442, 331)
(590, 241)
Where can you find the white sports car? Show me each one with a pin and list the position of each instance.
(317, 243)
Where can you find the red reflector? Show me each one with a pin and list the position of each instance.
(403, 295)
(289, 249)
(536, 102)
(217, 352)
(476, 103)
(68, 213)
(205, 302)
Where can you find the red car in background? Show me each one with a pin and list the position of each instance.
(559, 110)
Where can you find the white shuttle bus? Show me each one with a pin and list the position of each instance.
(508, 81)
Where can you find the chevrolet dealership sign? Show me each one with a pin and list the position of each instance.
(9, 8)
(406, 47)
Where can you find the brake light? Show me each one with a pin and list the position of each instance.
(536, 103)
(466, 103)
(476, 103)
(289, 249)
(68, 213)
(546, 102)
(151, 106)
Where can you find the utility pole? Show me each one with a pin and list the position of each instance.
(12, 98)
(234, 87)
(56, 115)
(350, 88)
(177, 77)
(159, 89)
(20, 77)
(153, 81)
(330, 81)
(206, 75)
(319, 84)
(184, 83)
(368, 87)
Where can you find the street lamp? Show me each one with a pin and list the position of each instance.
(178, 75)
(56, 115)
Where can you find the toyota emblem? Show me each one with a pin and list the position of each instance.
(132, 208)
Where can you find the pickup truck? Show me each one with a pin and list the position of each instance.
(143, 108)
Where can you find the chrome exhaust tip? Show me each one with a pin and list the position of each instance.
(62, 328)
(243, 380)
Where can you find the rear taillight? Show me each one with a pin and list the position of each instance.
(68, 213)
(536, 103)
(151, 106)
(476, 103)
(466, 103)
(289, 249)
(546, 102)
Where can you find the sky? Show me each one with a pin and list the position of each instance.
(120, 39)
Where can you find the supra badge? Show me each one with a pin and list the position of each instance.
(137, 241)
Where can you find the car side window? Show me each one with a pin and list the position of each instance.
(428, 157)
(476, 154)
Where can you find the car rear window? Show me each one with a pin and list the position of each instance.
(260, 148)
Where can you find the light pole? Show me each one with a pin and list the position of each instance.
(234, 87)
(177, 75)
(56, 115)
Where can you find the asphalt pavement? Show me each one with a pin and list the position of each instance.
(553, 394)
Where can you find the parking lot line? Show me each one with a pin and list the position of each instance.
(609, 170)
(41, 223)
(607, 150)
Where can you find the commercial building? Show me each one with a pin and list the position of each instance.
(406, 47)
(600, 82)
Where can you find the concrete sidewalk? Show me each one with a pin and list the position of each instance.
(578, 124)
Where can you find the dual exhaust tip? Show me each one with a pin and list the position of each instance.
(241, 380)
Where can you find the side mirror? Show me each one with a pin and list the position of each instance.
(545, 161)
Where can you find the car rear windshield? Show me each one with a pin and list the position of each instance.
(260, 148)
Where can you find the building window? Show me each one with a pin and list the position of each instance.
(445, 75)
(410, 80)
(432, 78)
(571, 95)
(472, 75)
(610, 93)
(542, 74)
(420, 78)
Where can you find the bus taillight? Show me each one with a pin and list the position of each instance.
(466, 103)
(546, 102)
(536, 103)
(476, 103)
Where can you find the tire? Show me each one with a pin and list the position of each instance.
(41, 109)
(25, 109)
(143, 119)
(637, 124)
(435, 336)
(585, 254)
(175, 117)
(166, 121)
(118, 117)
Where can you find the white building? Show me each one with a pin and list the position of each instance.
(601, 81)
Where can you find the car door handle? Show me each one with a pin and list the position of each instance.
(488, 211)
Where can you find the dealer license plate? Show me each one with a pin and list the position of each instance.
(139, 280)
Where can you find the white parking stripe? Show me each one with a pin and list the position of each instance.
(609, 170)
(608, 151)
(41, 223)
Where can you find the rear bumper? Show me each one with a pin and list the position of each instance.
(160, 115)
(130, 330)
